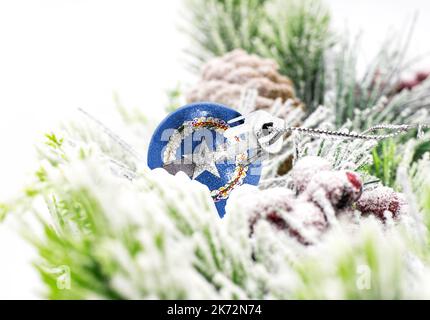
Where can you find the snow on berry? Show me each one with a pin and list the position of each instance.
(341, 188)
(306, 168)
(300, 219)
(380, 202)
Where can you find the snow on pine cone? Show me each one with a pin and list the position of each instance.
(301, 220)
(223, 80)
(380, 202)
(341, 188)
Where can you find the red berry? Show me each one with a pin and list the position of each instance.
(380, 201)
(341, 188)
(285, 213)
(354, 179)
(421, 76)
(411, 83)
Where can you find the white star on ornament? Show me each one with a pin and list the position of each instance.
(204, 160)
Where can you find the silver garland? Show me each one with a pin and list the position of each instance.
(398, 129)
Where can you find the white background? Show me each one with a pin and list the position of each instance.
(57, 55)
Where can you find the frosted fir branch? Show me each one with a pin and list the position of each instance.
(349, 93)
(219, 26)
(117, 223)
(86, 135)
(343, 154)
(158, 196)
(414, 179)
(295, 27)
(347, 245)
(281, 30)
(140, 237)
(409, 107)
(417, 228)
(358, 251)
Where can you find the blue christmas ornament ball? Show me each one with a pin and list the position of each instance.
(193, 132)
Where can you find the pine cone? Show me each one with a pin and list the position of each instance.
(224, 79)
